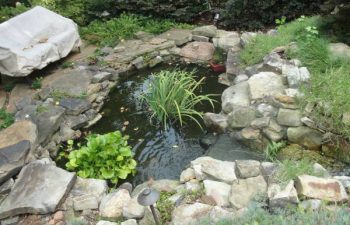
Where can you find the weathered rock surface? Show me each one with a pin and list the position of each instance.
(187, 175)
(227, 41)
(246, 37)
(84, 202)
(237, 95)
(267, 110)
(209, 168)
(39, 188)
(198, 51)
(100, 77)
(19, 131)
(190, 214)
(265, 84)
(247, 168)
(296, 76)
(244, 190)
(112, 205)
(282, 198)
(218, 191)
(12, 158)
(241, 117)
(75, 106)
(104, 222)
(95, 187)
(289, 117)
(180, 36)
(305, 136)
(216, 122)
(207, 31)
(133, 210)
(321, 188)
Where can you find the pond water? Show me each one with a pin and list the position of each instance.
(163, 154)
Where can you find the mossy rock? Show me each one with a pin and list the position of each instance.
(296, 152)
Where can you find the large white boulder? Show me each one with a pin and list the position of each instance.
(34, 39)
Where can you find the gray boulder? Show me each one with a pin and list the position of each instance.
(241, 117)
(216, 122)
(296, 76)
(39, 188)
(246, 37)
(265, 84)
(112, 204)
(207, 31)
(247, 168)
(12, 159)
(228, 41)
(189, 214)
(209, 168)
(75, 106)
(245, 190)
(289, 117)
(218, 191)
(280, 198)
(305, 136)
(237, 95)
(180, 36)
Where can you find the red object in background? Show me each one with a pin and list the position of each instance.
(218, 68)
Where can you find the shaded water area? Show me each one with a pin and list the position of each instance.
(163, 154)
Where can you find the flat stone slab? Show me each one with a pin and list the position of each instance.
(39, 189)
(180, 36)
(19, 131)
(12, 158)
(71, 83)
(75, 106)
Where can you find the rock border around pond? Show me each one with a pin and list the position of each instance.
(258, 106)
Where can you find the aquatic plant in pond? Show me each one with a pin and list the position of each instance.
(105, 156)
(171, 96)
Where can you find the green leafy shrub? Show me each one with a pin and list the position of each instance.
(105, 156)
(171, 95)
(125, 26)
(255, 14)
(6, 119)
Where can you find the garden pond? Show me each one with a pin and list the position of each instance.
(163, 154)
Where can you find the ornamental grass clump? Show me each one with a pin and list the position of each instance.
(171, 97)
(105, 156)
